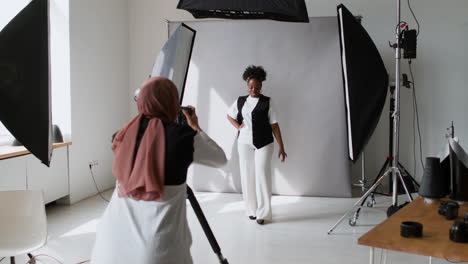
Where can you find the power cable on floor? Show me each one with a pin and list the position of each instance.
(95, 184)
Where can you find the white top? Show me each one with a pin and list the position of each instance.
(148, 232)
(207, 152)
(245, 135)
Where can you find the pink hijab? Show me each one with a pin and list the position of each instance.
(144, 179)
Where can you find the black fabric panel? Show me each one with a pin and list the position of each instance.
(24, 79)
(281, 10)
(367, 80)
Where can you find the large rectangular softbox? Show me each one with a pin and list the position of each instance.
(174, 58)
(281, 10)
(365, 81)
(24, 79)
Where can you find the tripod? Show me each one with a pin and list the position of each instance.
(392, 165)
(386, 166)
(206, 227)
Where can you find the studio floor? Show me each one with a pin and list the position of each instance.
(298, 233)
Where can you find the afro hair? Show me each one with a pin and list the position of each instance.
(254, 72)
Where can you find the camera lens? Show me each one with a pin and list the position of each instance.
(459, 232)
(452, 211)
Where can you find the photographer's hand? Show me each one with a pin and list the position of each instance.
(192, 119)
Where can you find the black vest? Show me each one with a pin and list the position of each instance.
(261, 127)
(179, 150)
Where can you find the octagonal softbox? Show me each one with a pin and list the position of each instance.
(281, 10)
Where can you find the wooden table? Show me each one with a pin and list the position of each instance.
(435, 241)
(7, 152)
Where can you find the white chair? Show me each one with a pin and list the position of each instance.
(23, 223)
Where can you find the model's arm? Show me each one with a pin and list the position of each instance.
(277, 133)
(235, 123)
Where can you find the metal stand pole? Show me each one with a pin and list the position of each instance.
(394, 169)
(396, 113)
(362, 182)
(206, 227)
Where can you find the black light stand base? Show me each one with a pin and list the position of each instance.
(206, 227)
(32, 259)
(394, 208)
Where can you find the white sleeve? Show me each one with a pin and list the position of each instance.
(207, 152)
(272, 113)
(232, 112)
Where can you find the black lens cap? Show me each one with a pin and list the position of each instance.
(411, 229)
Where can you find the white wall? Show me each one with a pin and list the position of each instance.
(60, 65)
(99, 88)
(440, 69)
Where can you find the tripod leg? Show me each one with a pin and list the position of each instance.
(360, 201)
(404, 185)
(206, 227)
(382, 171)
(400, 166)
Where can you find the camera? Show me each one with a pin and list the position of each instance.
(181, 120)
(449, 210)
(459, 232)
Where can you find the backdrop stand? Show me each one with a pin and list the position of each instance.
(395, 169)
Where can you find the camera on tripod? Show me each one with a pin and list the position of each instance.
(449, 210)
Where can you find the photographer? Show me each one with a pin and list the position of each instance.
(145, 221)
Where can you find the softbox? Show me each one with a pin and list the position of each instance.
(174, 58)
(365, 81)
(24, 79)
(281, 10)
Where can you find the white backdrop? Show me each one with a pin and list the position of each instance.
(304, 80)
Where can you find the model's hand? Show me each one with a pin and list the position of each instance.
(241, 126)
(192, 119)
(282, 155)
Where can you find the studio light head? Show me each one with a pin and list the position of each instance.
(281, 10)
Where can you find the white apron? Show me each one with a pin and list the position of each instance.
(145, 232)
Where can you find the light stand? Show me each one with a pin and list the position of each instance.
(394, 170)
(205, 226)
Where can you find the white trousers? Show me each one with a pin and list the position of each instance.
(255, 169)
